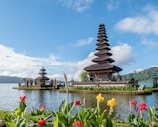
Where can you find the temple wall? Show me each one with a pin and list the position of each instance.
(100, 84)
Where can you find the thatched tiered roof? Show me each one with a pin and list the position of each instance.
(103, 62)
(42, 74)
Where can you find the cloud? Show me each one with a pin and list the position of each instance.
(83, 42)
(144, 23)
(15, 64)
(150, 43)
(112, 5)
(78, 5)
(122, 54)
(82, 64)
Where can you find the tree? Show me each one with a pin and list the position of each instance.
(83, 76)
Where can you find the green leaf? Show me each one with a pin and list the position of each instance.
(70, 108)
(62, 106)
(21, 122)
(18, 111)
(22, 106)
(10, 124)
(34, 119)
(48, 116)
(109, 122)
(56, 121)
(151, 113)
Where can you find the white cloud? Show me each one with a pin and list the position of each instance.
(78, 5)
(14, 64)
(144, 23)
(150, 43)
(112, 5)
(83, 42)
(82, 64)
(122, 54)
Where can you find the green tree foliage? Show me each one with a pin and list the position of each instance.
(144, 75)
(83, 76)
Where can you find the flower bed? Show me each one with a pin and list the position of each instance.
(83, 117)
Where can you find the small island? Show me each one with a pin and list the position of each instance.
(40, 83)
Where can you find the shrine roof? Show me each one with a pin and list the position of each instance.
(105, 66)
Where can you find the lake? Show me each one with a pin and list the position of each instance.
(9, 99)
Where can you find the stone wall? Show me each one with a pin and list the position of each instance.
(100, 84)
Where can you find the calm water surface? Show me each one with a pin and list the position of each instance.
(9, 99)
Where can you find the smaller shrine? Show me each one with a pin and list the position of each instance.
(42, 79)
(42, 82)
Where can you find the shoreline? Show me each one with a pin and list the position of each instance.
(34, 88)
(143, 92)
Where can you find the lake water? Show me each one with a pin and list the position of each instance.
(9, 99)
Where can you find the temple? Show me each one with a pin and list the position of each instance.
(42, 78)
(102, 69)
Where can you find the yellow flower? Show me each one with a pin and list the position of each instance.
(100, 98)
(112, 102)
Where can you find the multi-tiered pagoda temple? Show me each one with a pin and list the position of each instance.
(103, 69)
(42, 78)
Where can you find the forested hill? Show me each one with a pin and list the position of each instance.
(144, 75)
(9, 79)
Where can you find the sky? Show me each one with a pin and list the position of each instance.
(60, 35)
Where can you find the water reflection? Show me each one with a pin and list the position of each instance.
(52, 99)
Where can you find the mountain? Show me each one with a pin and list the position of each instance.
(10, 79)
(144, 75)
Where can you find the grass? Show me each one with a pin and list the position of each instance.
(5, 114)
(111, 90)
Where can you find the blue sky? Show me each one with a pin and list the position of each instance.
(61, 35)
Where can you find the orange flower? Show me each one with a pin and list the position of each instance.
(22, 98)
(78, 123)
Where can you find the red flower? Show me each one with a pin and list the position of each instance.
(22, 98)
(134, 102)
(142, 107)
(42, 107)
(41, 123)
(78, 123)
(77, 102)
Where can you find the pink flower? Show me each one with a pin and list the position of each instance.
(142, 107)
(77, 102)
(42, 107)
(41, 123)
(78, 123)
(22, 98)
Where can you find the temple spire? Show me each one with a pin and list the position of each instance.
(103, 67)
